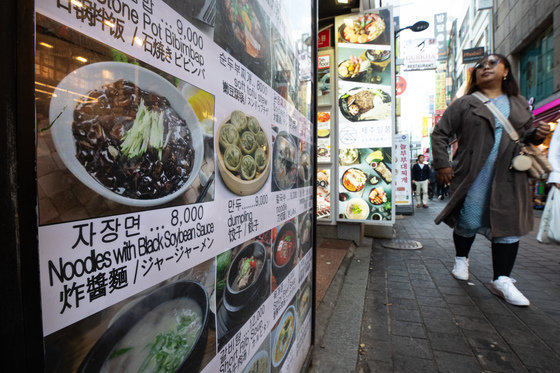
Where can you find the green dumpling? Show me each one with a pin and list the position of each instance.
(239, 120)
(228, 136)
(232, 158)
(248, 168)
(248, 142)
(261, 139)
(253, 125)
(260, 159)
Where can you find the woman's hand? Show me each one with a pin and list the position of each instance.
(444, 175)
(542, 131)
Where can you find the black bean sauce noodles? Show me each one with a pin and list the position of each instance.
(105, 116)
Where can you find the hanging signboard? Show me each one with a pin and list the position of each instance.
(440, 32)
(419, 54)
(324, 73)
(324, 38)
(168, 132)
(365, 109)
(472, 54)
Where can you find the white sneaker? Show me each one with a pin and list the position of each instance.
(461, 268)
(504, 287)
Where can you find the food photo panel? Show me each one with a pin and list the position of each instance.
(305, 166)
(243, 30)
(358, 103)
(116, 135)
(324, 136)
(284, 251)
(284, 161)
(368, 28)
(283, 336)
(131, 335)
(242, 284)
(365, 187)
(261, 361)
(305, 233)
(243, 153)
(365, 65)
(324, 194)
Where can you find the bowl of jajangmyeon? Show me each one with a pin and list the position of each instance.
(243, 153)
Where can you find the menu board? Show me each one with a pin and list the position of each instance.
(175, 184)
(324, 78)
(365, 108)
(324, 194)
(324, 130)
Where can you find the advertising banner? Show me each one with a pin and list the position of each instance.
(403, 190)
(175, 184)
(365, 108)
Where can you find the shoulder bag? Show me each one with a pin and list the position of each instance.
(530, 158)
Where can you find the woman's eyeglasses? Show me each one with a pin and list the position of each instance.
(491, 63)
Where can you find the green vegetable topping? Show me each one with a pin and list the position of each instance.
(169, 349)
(147, 130)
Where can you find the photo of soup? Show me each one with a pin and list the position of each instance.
(159, 341)
(285, 247)
(283, 336)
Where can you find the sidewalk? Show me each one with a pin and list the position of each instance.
(416, 317)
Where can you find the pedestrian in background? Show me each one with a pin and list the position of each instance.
(432, 185)
(487, 196)
(420, 178)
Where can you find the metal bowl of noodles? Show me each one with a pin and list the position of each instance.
(131, 343)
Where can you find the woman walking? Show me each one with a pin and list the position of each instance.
(487, 196)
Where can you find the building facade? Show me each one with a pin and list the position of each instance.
(528, 33)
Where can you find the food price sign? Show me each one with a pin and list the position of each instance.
(175, 182)
(365, 109)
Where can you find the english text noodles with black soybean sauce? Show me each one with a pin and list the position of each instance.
(160, 341)
(132, 141)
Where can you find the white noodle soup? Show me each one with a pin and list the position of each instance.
(175, 324)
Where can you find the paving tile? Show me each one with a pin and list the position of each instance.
(463, 310)
(378, 350)
(449, 342)
(487, 340)
(473, 323)
(393, 286)
(407, 329)
(435, 312)
(423, 284)
(430, 300)
(402, 293)
(441, 326)
(404, 303)
(455, 363)
(452, 290)
(407, 364)
(537, 355)
(404, 314)
(427, 292)
(409, 346)
(458, 299)
(498, 361)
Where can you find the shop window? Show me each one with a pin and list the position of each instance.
(537, 67)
